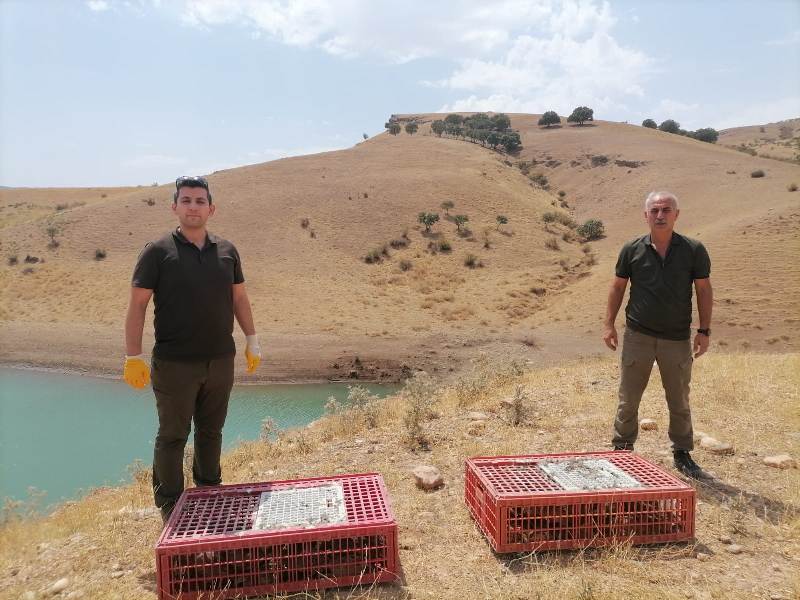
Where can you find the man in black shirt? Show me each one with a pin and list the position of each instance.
(198, 287)
(662, 267)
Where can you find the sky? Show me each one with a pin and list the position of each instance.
(133, 92)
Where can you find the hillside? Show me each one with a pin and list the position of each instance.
(780, 140)
(318, 305)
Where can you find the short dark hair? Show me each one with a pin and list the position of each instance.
(192, 181)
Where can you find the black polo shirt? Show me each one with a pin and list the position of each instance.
(193, 295)
(660, 302)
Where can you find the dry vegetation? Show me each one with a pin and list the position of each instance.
(104, 543)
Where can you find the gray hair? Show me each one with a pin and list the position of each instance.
(653, 196)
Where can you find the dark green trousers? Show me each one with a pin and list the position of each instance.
(187, 391)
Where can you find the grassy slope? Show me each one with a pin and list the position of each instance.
(748, 400)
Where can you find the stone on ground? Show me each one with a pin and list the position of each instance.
(648, 425)
(428, 477)
(780, 461)
(714, 445)
(734, 548)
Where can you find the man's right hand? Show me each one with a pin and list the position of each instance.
(610, 337)
(136, 373)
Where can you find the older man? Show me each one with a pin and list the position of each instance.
(197, 282)
(662, 266)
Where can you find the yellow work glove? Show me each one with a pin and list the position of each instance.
(136, 373)
(252, 353)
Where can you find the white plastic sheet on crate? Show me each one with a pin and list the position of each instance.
(301, 507)
(577, 474)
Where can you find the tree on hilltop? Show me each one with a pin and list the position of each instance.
(580, 115)
(438, 127)
(706, 134)
(427, 219)
(411, 128)
(670, 126)
(493, 139)
(501, 122)
(394, 128)
(650, 124)
(550, 118)
(454, 119)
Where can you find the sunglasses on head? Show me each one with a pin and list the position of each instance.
(191, 181)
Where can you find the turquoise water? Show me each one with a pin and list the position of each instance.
(63, 434)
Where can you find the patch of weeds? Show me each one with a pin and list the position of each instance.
(746, 150)
(559, 217)
(373, 256)
(406, 265)
(472, 261)
(444, 246)
(399, 243)
(792, 187)
(361, 406)
(12, 260)
(552, 244)
(305, 222)
(420, 395)
(561, 193)
(99, 254)
(757, 173)
(149, 201)
(540, 180)
(599, 160)
(31, 259)
(60, 207)
(268, 430)
(593, 229)
(517, 407)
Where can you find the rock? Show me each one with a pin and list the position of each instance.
(75, 595)
(29, 595)
(477, 416)
(428, 477)
(59, 586)
(703, 557)
(116, 574)
(740, 461)
(699, 435)
(477, 428)
(734, 548)
(780, 461)
(714, 445)
(725, 539)
(648, 425)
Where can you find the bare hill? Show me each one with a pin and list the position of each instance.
(780, 140)
(319, 305)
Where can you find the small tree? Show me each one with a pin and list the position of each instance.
(591, 230)
(580, 115)
(706, 134)
(427, 219)
(650, 124)
(550, 118)
(411, 128)
(501, 122)
(364, 135)
(493, 139)
(394, 128)
(438, 127)
(670, 126)
(511, 142)
(460, 220)
(501, 220)
(446, 206)
(53, 231)
(453, 119)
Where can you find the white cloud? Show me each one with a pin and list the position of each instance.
(790, 40)
(768, 111)
(97, 5)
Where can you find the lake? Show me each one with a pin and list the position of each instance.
(63, 434)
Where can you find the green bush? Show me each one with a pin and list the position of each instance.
(670, 126)
(792, 187)
(373, 256)
(757, 173)
(649, 123)
(99, 254)
(592, 229)
(444, 246)
(550, 118)
(581, 114)
(559, 217)
(540, 180)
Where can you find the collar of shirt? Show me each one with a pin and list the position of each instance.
(676, 240)
(210, 237)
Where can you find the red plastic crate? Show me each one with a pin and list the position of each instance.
(520, 508)
(209, 548)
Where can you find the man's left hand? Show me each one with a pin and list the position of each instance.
(252, 353)
(701, 342)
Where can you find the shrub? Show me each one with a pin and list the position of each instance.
(12, 260)
(517, 409)
(99, 254)
(304, 222)
(599, 160)
(444, 246)
(427, 219)
(511, 142)
(438, 127)
(552, 244)
(420, 396)
(394, 128)
(561, 193)
(670, 126)
(559, 217)
(501, 220)
(471, 261)
(62, 206)
(366, 195)
(405, 265)
(592, 229)
(373, 256)
(399, 243)
(706, 134)
(540, 180)
(460, 220)
(149, 201)
(649, 123)
(746, 150)
(580, 115)
(550, 118)
(757, 173)
(538, 291)
(411, 128)
(792, 187)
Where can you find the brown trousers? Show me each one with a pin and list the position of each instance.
(674, 359)
(187, 391)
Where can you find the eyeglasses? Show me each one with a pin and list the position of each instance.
(191, 181)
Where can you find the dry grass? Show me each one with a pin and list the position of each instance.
(750, 400)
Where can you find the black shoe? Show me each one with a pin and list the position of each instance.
(628, 447)
(687, 466)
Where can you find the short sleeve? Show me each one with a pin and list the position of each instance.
(623, 268)
(238, 275)
(701, 267)
(146, 271)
